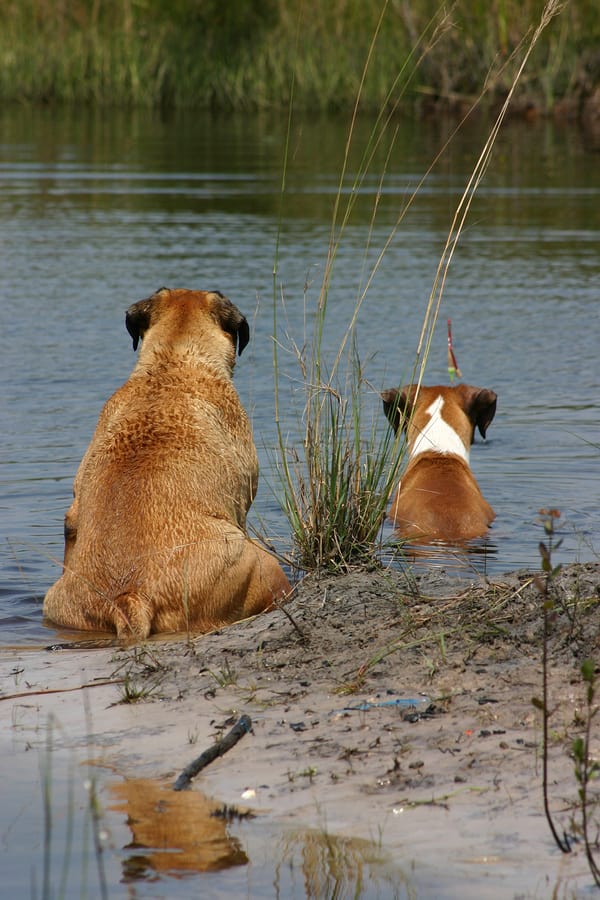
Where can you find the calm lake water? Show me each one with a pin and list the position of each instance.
(99, 210)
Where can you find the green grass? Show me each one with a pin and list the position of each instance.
(178, 53)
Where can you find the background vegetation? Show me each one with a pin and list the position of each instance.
(201, 53)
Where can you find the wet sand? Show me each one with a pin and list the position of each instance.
(393, 713)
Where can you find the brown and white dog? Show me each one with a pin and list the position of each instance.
(438, 498)
(155, 538)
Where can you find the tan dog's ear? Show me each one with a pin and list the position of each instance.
(231, 320)
(137, 317)
(397, 405)
(480, 406)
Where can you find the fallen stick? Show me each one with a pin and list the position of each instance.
(78, 687)
(241, 727)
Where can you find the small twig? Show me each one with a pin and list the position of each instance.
(79, 687)
(241, 727)
(281, 607)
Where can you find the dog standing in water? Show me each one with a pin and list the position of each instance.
(438, 498)
(155, 538)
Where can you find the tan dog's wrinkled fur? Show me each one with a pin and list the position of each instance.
(155, 538)
(438, 498)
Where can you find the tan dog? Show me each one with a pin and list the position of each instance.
(438, 498)
(155, 537)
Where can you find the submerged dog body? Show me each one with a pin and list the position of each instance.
(155, 537)
(438, 498)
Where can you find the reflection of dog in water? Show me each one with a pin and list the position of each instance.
(438, 498)
(173, 832)
(178, 833)
(155, 537)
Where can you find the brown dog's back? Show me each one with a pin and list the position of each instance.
(155, 538)
(439, 500)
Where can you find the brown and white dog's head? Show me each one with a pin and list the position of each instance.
(440, 419)
(198, 322)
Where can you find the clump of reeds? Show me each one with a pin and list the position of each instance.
(335, 491)
(336, 486)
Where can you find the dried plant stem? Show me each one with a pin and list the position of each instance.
(551, 9)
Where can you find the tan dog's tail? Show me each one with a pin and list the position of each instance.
(132, 616)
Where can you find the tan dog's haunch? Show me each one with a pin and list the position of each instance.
(155, 538)
(438, 498)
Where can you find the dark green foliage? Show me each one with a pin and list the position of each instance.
(200, 53)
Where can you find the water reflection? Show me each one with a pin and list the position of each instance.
(320, 864)
(179, 834)
(474, 557)
(172, 833)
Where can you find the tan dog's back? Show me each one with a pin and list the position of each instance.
(155, 538)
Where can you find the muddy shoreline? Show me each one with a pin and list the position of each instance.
(448, 787)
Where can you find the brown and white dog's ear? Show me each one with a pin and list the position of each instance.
(138, 316)
(397, 405)
(231, 320)
(479, 405)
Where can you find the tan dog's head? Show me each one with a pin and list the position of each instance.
(202, 322)
(466, 408)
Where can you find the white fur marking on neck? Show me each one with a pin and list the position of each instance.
(438, 436)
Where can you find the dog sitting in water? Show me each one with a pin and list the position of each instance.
(155, 537)
(438, 498)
